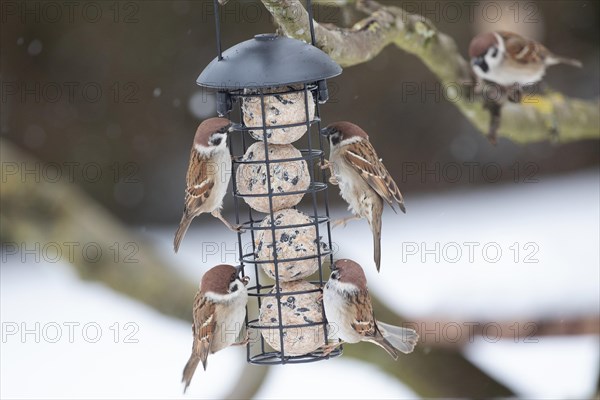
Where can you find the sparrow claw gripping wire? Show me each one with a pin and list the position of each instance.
(327, 165)
(232, 227)
(244, 341)
(344, 221)
(331, 347)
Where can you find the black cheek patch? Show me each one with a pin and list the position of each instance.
(216, 141)
(234, 288)
(483, 65)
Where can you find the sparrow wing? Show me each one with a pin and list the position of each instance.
(523, 50)
(205, 323)
(199, 183)
(365, 324)
(362, 310)
(362, 157)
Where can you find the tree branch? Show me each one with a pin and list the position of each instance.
(537, 118)
(446, 333)
(44, 211)
(65, 214)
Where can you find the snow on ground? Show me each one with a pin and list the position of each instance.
(552, 368)
(144, 361)
(554, 222)
(334, 379)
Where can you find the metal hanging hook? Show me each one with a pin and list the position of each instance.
(311, 22)
(218, 28)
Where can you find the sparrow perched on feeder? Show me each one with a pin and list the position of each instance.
(350, 314)
(208, 175)
(512, 62)
(219, 313)
(363, 179)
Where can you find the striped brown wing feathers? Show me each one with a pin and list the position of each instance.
(205, 323)
(364, 322)
(523, 50)
(542, 53)
(199, 184)
(363, 158)
(392, 187)
(366, 325)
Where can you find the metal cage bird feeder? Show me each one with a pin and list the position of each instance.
(265, 74)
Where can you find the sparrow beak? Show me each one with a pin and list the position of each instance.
(244, 279)
(480, 62)
(327, 131)
(234, 127)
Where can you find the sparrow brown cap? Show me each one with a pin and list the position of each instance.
(351, 272)
(208, 127)
(481, 43)
(348, 129)
(217, 279)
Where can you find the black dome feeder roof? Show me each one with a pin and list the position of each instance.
(268, 60)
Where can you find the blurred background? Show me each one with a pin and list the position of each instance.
(98, 110)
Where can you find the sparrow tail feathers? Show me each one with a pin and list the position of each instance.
(393, 208)
(376, 229)
(382, 342)
(183, 227)
(403, 339)
(402, 207)
(188, 371)
(563, 60)
(204, 350)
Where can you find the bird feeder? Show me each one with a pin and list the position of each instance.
(272, 87)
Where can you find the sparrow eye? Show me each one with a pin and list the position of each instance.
(233, 278)
(335, 275)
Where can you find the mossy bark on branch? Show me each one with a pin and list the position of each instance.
(546, 117)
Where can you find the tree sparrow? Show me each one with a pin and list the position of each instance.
(363, 179)
(208, 175)
(219, 313)
(512, 62)
(508, 59)
(350, 314)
